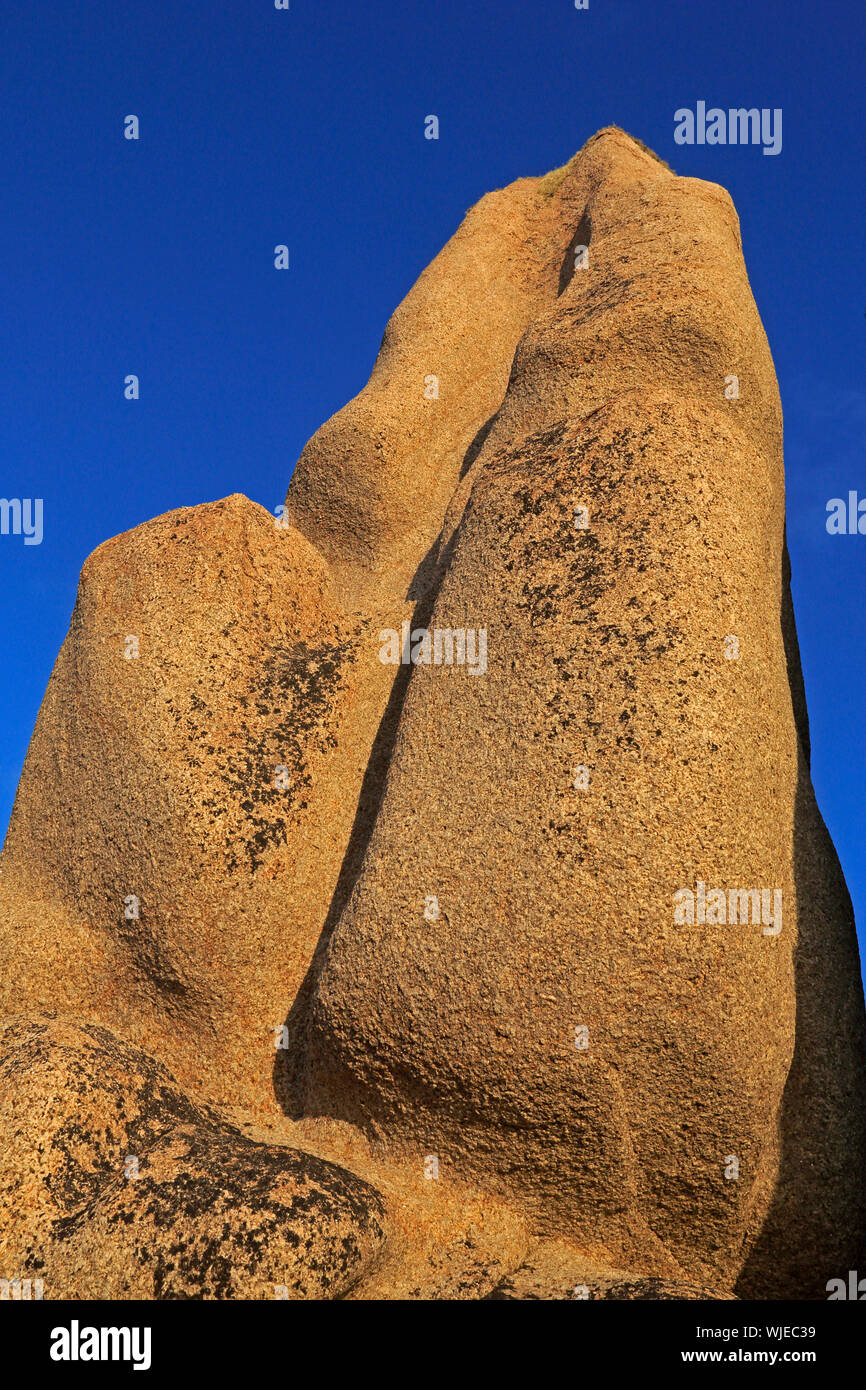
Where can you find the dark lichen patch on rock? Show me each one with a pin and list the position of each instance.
(287, 720)
(567, 573)
(75, 1102)
(214, 1215)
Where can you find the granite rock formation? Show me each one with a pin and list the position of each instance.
(484, 907)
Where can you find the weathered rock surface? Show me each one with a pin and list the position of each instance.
(553, 1274)
(213, 1215)
(371, 487)
(75, 1102)
(455, 889)
(609, 648)
(156, 876)
(115, 1185)
(155, 776)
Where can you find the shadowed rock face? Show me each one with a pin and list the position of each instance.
(458, 889)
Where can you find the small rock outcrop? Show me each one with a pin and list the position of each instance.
(116, 1185)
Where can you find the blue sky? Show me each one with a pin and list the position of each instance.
(305, 127)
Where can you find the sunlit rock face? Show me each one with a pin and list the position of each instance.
(425, 886)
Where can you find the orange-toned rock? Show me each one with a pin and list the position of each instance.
(555, 1029)
(218, 720)
(465, 815)
(173, 839)
(114, 1185)
(213, 1215)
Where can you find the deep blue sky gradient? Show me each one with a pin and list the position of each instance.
(260, 127)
